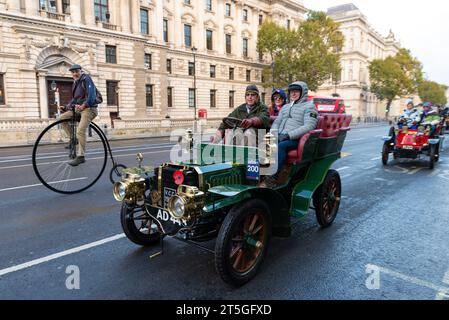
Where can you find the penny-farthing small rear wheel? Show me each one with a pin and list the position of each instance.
(55, 148)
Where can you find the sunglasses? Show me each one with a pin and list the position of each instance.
(251, 94)
(278, 98)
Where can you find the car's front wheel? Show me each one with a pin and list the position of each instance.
(138, 226)
(243, 242)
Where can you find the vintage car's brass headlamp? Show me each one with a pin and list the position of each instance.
(187, 204)
(270, 150)
(130, 189)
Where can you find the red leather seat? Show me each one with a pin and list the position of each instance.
(329, 126)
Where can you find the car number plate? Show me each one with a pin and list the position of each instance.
(253, 170)
(168, 193)
(407, 147)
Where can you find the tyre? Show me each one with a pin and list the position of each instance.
(385, 153)
(243, 241)
(432, 153)
(137, 227)
(116, 173)
(327, 198)
(54, 150)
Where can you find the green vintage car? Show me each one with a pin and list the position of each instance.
(196, 201)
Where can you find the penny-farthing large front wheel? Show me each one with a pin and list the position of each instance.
(55, 148)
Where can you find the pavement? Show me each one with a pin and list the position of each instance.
(389, 240)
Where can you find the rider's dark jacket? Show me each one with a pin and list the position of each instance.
(83, 91)
(259, 110)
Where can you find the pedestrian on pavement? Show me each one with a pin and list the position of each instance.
(85, 101)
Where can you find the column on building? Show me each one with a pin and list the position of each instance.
(43, 97)
(75, 11)
(238, 10)
(13, 5)
(178, 34)
(31, 8)
(88, 13)
(157, 23)
(198, 30)
(219, 14)
(124, 12)
(135, 16)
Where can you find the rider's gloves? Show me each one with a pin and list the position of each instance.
(284, 137)
(247, 123)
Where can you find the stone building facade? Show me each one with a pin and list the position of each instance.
(140, 54)
(362, 45)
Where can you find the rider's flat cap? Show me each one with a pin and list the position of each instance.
(75, 67)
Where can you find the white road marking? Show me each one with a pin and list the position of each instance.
(60, 254)
(346, 176)
(342, 169)
(370, 167)
(351, 140)
(441, 295)
(415, 170)
(434, 172)
(97, 158)
(412, 280)
(375, 159)
(40, 184)
(380, 179)
(63, 154)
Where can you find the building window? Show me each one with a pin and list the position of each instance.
(245, 47)
(187, 2)
(192, 100)
(245, 14)
(144, 23)
(111, 54)
(169, 66)
(248, 75)
(287, 24)
(260, 55)
(170, 97)
(209, 43)
(228, 43)
(231, 73)
(260, 19)
(188, 35)
(165, 26)
(101, 8)
(263, 97)
(148, 64)
(48, 5)
(112, 93)
(149, 95)
(213, 98)
(2, 89)
(191, 69)
(212, 71)
(231, 99)
(66, 6)
(209, 5)
(228, 10)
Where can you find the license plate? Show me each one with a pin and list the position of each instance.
(322, 107)
(253, 170)
(407, 147)
(168, 193)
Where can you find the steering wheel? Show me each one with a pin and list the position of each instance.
(232, 122)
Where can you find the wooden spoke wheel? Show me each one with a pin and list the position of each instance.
(242, 242)
(327, 199)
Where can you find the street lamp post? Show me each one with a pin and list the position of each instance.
(194, 49)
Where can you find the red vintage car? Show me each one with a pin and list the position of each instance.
(406, 143)
(329, 104)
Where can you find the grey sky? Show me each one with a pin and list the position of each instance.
(421, 26)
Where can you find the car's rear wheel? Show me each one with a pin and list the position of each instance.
(432, 153)
(137, 226)
(385, 153)
(243, 242)
(327, 198)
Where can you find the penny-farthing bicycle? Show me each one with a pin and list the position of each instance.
(55, 148)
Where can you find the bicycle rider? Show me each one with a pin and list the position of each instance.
(84, 101)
